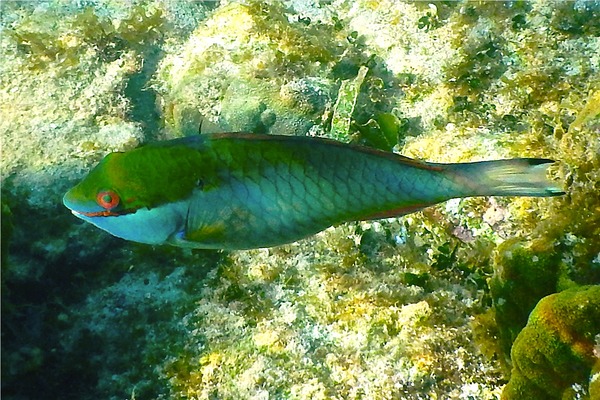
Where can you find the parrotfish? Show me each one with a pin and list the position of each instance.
(242, 191)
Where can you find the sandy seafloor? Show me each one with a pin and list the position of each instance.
(424, 306)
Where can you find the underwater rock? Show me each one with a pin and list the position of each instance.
(556, 348)
(253, 67)
(257, 106)
(522, 277)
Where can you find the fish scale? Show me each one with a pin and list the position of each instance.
(240, 191)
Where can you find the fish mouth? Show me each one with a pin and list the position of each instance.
(94, 212)
(104, 213)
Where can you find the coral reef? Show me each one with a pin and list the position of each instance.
(521, 278)
(556, 348)
(425, 306)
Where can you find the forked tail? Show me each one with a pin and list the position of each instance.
(513, 177)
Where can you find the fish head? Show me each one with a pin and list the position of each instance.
(135, 195)
(108, 190)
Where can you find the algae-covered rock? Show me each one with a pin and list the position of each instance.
(556, 348)
(595, 375)
(252, 68)
(522, 277)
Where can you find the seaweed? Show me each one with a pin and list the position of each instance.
(64, 42)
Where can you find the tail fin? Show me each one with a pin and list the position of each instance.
(513, 177)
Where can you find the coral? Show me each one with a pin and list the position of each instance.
(595, 374)
(556, 348)
(522, 277)
(262, 107)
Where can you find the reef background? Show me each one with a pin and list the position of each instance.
(419, 307)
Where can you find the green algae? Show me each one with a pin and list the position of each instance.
(589, 113)
(556, 348)
(521, 278)
(345, 104)
(382, 132)
(44, 43)
(577, 19)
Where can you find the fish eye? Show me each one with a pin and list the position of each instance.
(107, 199)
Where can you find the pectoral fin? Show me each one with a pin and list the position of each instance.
(203, 228)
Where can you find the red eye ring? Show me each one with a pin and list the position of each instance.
(107, 199)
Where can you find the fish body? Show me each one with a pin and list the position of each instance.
(242, 191)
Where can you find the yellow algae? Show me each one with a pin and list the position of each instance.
(590, 111)
(268, 340)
